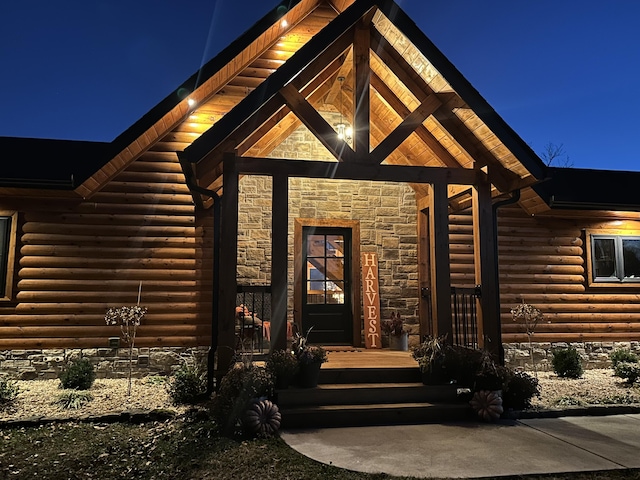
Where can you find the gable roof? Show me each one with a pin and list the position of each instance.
(459, 128)
(411, 81)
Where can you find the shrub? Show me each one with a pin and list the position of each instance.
(622, 355)
(79, 375)
(630, 371)
(566, 363)
(8, 391)
(519, 390)
(189, 383)
(238, 387)
(73, 399)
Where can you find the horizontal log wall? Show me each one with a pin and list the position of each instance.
(542, 260)
(77, 259)
(573, 310)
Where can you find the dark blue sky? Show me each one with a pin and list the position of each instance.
(565, 72)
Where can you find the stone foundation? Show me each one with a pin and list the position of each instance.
(108, 362)
(593, 354)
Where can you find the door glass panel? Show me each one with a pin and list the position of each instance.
(335, 268)
(631, 255)
(335, 246)
(315, 245)
(604, 260)
(335, 292)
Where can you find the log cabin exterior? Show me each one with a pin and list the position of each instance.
(232, 178)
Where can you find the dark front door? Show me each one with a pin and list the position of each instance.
(326, 298)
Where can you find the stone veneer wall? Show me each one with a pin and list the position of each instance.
(108, 362)
(387, 213)
(593, 354)
(387, 216)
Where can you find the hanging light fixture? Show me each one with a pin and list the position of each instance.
(345, 132)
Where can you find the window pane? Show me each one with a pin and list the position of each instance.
(604, 257)
(335, 268)
(315, 246)
(335, 246)
(315, 295)
(631, 255)
(335, 292)
(5, 224)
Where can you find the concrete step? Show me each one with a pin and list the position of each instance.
(365, 393)
(373, 414)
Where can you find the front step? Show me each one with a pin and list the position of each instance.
(369, 396)
(373, 414)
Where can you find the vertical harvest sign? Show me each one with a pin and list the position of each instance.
(371, 290)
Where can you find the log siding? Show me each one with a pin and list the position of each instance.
(76, 259)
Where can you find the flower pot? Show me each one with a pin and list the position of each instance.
(282, 382)
(436, 374)
(308, 375)
(399, 342)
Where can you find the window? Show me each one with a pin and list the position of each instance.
(7, 250)
(615, 258)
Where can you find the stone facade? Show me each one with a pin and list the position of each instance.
(593, 354)
(386, 212)
(108, 362)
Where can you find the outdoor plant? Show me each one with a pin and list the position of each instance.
(189, 383)
(394, 326)
(78, 375)
(566, 363)
(630, 371)
(9, 391)
(73, 399)
(283, 365)
(129, 319)
(305, 353)
(520, 390)
(238, 388)
(622, 355)
(530, 316)
(430, 355)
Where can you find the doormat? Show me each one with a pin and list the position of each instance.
(341, 348)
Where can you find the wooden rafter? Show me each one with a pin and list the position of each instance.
(316, 124)
(361, 92)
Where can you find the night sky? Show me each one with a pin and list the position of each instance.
(564, 72)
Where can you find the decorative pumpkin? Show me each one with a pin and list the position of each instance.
(262, 418)
(487, 404)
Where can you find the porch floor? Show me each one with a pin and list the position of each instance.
(341, 357)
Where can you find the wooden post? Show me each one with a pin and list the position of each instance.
(279, 254)
(439, 260)
(228, 265)
(424, 282)
(486, 265)
(361, 92)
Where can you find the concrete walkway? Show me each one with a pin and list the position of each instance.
(467, 450)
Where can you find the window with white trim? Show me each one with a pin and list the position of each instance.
(7, 249)
(615, 258)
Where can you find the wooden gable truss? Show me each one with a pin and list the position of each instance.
(436, 142)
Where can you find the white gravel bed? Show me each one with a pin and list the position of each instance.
(36, 397)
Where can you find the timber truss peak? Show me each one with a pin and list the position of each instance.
(379, 79)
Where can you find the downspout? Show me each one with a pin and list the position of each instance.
(216, 268)
(503, 203)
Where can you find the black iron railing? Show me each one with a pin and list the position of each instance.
(465, 315)
(253, 317)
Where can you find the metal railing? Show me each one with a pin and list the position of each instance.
(253, 317)
(465, 315)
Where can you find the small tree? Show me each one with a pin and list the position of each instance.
(129, 319)
(530, 316)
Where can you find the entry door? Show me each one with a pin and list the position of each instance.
(326, 298)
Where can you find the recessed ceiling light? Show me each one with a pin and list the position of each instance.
(191, 102)
(284, 23)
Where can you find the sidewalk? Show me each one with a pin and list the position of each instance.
(463, 450)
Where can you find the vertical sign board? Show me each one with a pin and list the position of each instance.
(371, 300)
